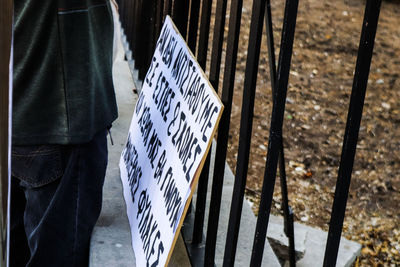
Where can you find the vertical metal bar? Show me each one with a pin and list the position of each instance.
(122, 12)
(146, 43)
(289, 25)
(143, 32)
(201, 204)
(151, 6)
(369, 27)
(6, 13)
(137, 17)
(159, 18)
(288, 213)
(193, 24)
(140, 44)
(204, 33)
(129, 25)
(218, 39)
(133, 31)
(127, 16)
(290, 235)
(214, 73)
(136, 46)
(180, 16)
(203, 180)
(167, 8)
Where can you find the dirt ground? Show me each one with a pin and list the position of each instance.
(323, 62)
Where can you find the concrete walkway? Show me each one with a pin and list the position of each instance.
(111, 239)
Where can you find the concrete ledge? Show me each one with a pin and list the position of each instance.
(315, 242)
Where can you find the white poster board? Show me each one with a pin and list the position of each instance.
(174, 121)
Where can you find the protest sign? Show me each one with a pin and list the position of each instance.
(174, 121)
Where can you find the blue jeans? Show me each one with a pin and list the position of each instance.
(56, 196)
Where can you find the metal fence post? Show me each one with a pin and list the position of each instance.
(369, 26)
(6, 13)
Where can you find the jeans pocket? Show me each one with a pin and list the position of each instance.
(36, 166)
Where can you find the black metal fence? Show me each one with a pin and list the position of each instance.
(143, 19)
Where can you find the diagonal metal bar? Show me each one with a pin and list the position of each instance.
(288, 214)
(369, 27)
(275, 136)
(270, 44)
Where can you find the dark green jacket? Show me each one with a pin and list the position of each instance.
(63, 91)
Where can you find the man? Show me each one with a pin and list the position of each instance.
(63, 103)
